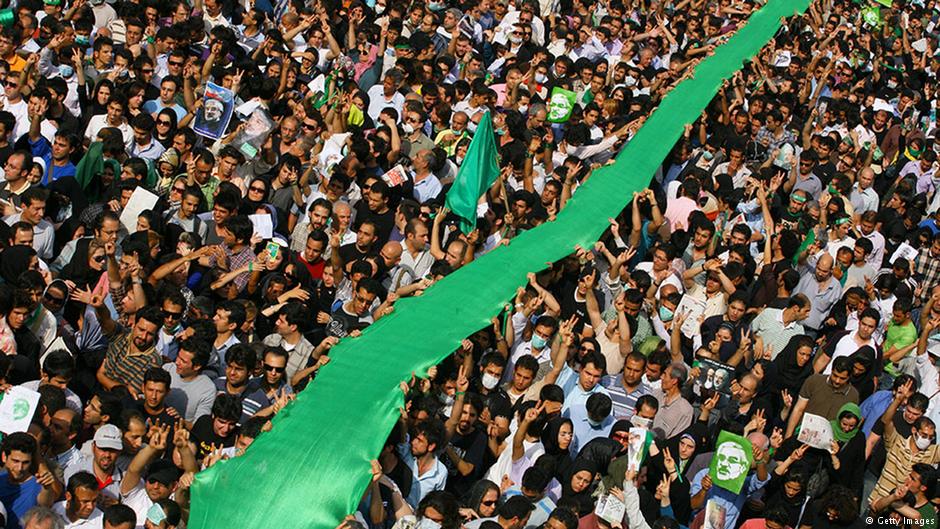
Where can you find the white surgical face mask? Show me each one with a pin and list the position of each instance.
(922, 442)
(379, 9)
(407, 128)
(426, 523)
(540, 78)
(489, 381)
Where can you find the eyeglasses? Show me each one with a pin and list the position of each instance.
(172, 315)
(54, 300)
(100, 258)
(488, 503)
(256, 189)
(179, 189)
(268, 367)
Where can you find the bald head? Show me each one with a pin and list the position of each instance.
(759, 440)
(391, 253)
(824, 267)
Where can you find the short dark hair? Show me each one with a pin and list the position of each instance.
(227, 407)
(842, 364)
(241, 354)
(201, 350)
(82, 480)
(19, 441)
(119, 514)
(433, 431)
(33, 194)
(528, 362)
(647, 400)
(59, 363)
(158, 375)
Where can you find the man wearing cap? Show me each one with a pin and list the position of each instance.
(79, 510)
(105, 448)
(512, 514)
(162, 476)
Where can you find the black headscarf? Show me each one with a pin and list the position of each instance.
(864, 383)
(560, 459)
(14, 261)
(582, 499)
(787, 374)
(62, 192)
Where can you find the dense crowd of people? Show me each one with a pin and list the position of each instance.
(778, 281)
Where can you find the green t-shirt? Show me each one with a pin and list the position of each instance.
(899, 336)
(928, 516)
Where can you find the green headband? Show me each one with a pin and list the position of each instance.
(843, 220)
(798, 198)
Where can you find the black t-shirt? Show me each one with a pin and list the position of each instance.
(470, 448)
(384, 222)
(204, 437)
(351, 252)
(342, 323)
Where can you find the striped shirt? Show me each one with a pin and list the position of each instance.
(624, 404)
(901, 459)
(126, 367)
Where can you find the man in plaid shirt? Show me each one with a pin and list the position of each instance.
(927, 268)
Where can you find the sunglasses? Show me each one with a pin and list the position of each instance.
(310, 126)
(256, 189)
(100, 258)
(179, 189)
(177, 64)
(52, 299)
(165, 123)
(275, 369)
(172, 315)
(488, 503)
(10, 84)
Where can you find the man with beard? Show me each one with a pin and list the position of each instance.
(416, 258)
(79, 510)
(161, 477)
(311, 255)
(105, 448)
(317, 216)
(130, 352)
(240, 363)
(465, 452)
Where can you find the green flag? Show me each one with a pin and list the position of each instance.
(732, 461)
(886, 3)
(561, 104)
(871, 16)
(477, 173)
(810, 239)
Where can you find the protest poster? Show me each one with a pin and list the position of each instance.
(213, 116)
(17, 409)
(140, 201)
(714, 377)
(636, 448)
(715, 515)
(561, 104)
(815, 431)
(732, 461)
(693, 307)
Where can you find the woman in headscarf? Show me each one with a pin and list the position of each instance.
(675, 459)
(164, 131)
(15, 260)
(864, 372)
(848, 450)
(790, 369)
(255, 197)
(481, 500)
(556, 438)
(87, 266)
(577, 486)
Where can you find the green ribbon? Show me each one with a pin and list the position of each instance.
(312, 469)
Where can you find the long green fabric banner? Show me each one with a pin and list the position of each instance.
(312, 469)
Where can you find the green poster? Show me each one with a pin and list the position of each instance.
(561, 105)
(731, 462)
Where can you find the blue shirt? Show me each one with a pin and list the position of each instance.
(17, 498)
(730, 501)
(575, 396)
(43, 149)
(874, 407)
(421, 485)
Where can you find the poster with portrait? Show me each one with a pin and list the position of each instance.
(715, 515)
(636, 448)
(815, 431)
(732, 461)
(254, 132)
(17, 409)
(714, 377)
(216, 111)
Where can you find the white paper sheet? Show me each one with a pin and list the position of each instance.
(17, 409)
(141, 200)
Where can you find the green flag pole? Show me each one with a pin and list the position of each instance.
(476, 174)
